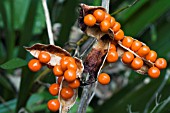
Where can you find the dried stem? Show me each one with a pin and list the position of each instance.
(88, 91)
(105, 4)
(124, 8)
(48, 22)
(158, 90)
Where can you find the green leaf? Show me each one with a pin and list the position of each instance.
(5, 84)
(37, 101)
(7, 12)
(97, 2)
(14, 63)
(147, 15)
(8, 107)
(20, 13)
(27, 28)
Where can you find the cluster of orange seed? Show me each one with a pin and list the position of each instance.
(106, 22)
(65, 71)
(142, 51)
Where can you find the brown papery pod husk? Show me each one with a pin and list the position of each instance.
(93, 31)
(95, 59)
(67, 104)
(147, 64)
(56, 54)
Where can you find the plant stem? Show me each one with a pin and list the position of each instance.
(105, 4)
(157, 91)
(88, 91)
(82, 40)
(48, 22)
(124, 8)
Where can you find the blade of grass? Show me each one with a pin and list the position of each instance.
(27, 80)
(124, 8)
(27, 28)
(145, 16)
(6, 85)
(28, 77)
(7, 11)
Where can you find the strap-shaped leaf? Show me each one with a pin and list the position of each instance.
(13, 63)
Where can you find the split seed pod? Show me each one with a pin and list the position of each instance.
(67, 104)
(95, 60)
(147, 64)
(93, 31)
(56, 54)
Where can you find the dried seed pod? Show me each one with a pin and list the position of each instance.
(95, 60)
(56, 54)
(147, 64)
(67, 104)
(93, 31)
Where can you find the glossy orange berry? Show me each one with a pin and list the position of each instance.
(127, 41)
(57, 70)
(127, 57)
(136, 45)
(65, 61)
(112, 56)
(53, 105)
(99, 15)
(54, 89)
(75, 84)
(67, 93)
(103, 78)
(154, 72)
(34, 65)
(112, 22)
(119, 35)
(59, 79)
(89, 20)
(116, 27)
(152, 55)
(112, 47)
(107, 17)
(72, 65)
(104, 25)
(70, 75)
(71, 59)
(161, 63)
(137, 63)
(143, 51)
(44, 57)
